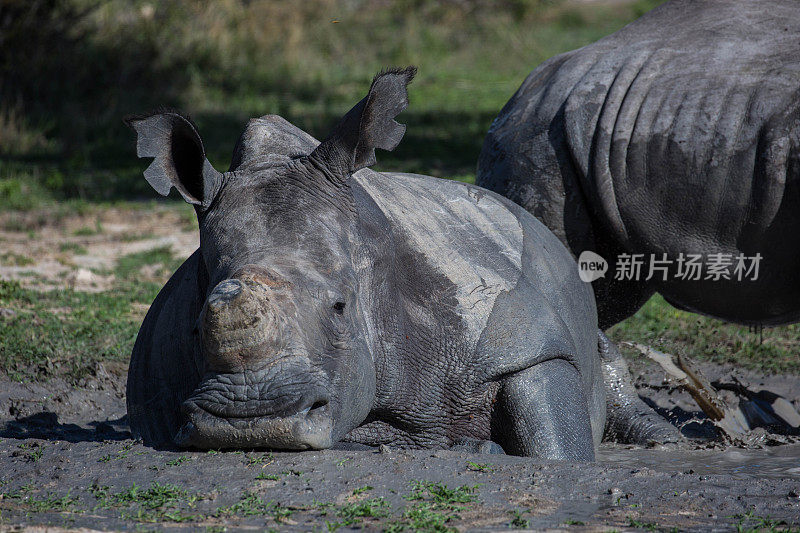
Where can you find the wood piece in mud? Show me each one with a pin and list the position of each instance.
(681, 371)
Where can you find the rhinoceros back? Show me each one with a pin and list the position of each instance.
(665, 134)
(679, 133)
(483, 245)
(493, 265)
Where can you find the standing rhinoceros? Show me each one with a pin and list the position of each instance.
(330, 303)
(677, 135)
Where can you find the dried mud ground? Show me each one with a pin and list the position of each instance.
(67, 459)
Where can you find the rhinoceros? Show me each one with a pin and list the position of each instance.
(328, 303)
(679, 135)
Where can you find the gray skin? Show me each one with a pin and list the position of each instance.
(677, 134)
(329, 304)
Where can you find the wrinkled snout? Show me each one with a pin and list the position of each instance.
(238, 325)
(260, 388)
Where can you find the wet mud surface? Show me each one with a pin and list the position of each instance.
(67, 460)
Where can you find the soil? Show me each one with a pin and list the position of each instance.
(63, 441)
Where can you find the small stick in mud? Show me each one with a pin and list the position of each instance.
(732, 422)
(754, 409)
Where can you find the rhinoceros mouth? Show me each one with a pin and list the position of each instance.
(282, 387)
(310, 428)
(278, 404)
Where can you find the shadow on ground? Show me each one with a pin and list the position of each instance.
(46, 426)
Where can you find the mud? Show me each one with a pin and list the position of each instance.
(67, 460)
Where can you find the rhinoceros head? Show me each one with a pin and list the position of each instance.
(282, 335)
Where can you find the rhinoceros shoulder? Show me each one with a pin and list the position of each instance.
(466, 234)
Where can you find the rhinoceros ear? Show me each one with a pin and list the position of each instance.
(369, 125)
(179, 158)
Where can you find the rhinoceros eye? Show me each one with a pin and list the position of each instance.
(339, 307)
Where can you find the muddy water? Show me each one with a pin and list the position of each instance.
(778, 462)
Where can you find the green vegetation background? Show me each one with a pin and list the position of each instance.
(70, 69)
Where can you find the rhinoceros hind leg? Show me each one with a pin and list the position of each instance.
(628, 419)
(544, 413)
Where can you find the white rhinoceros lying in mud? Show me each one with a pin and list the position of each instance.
(329, 304)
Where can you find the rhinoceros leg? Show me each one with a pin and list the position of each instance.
(628, 419)
(618, 300)
(546, 413)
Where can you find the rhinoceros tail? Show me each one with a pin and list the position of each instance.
(628, 419)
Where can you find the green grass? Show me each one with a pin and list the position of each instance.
(177, 461)
(750, 522)
(226, 63)
(155, 504)
(479, 467)
(74, 330)
(12, 259)
(362, 490)
(51, 503)
(130, 265)
(260, 459)
(154, 497)
(73, 247)
(87, 231)
(670, 330)
(639, 524)
(43, 504)
(518, 521)
(371, 508)
(121, 454)
(131, 237)
(32, 452)
(441, 494)
(98, 327)
(434, 509)
(423, 518)
(250, 504)
(18, 192)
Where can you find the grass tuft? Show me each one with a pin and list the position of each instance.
(670, 330)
